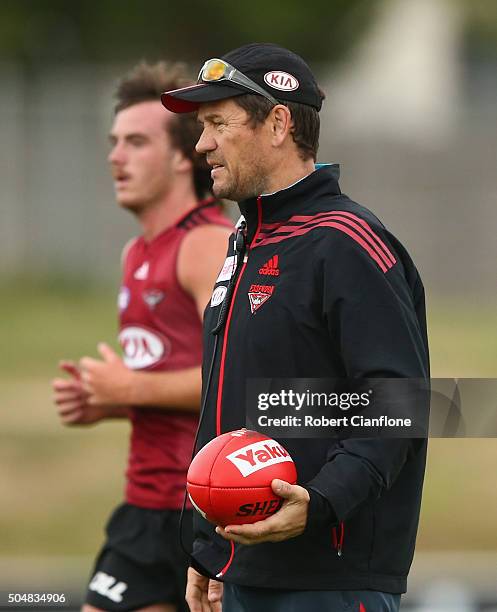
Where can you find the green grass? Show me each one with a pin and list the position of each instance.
(460, 497)
(463, 337)
(41, 323)
(61, 490)
(58, 485)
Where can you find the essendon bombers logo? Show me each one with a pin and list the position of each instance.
(153, 297)
(257, 456)
(258, 294)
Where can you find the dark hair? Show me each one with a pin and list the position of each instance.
(145, 83)
(305, 131)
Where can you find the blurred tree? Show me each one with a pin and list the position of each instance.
(94, 30)
(481, 28)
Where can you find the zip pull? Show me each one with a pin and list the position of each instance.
(230, 561)
(240, 247)
(340, 540)
(240, 243)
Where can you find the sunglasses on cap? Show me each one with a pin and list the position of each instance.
(215, 70)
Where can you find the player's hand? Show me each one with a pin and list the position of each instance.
(106, 381)
(72, 400)
(288, 522)
(203, 594)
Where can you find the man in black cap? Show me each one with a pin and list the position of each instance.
(314, 286)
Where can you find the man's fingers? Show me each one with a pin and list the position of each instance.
(196, 592)
(244, 534)
(86, 382)
(61, 398)
(194, 598)
(63, 384)
(215, 595)
(206, 606)
(215, 606)
(73, 416)
(88, 363)
(107, 353)
(271, 529)
(240, 539)
(69, 405)
(194, 604)
(70, 367)
(254, 530)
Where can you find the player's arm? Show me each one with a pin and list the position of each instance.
(71, 397)
(110, 382)
(200, 258)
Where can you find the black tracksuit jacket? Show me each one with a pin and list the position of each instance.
(345, 300)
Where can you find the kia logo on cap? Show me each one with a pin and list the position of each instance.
(281, 80)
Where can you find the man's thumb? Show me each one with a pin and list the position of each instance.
(282, 488)
(71, 368)
(106, 352)
(215, 592)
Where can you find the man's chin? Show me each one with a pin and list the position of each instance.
(130, 204)
(227, 193)
(223, 190)
(219, 190)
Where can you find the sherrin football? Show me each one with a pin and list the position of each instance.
(229, 480)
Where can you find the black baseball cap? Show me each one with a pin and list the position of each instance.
(284, 75)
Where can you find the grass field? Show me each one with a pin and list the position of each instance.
(58, 485)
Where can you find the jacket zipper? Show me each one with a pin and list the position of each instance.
(228, 321)
(223, 571)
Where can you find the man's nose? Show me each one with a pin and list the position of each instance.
(205, 143)
(116, 155)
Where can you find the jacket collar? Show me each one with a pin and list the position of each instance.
(281, 205)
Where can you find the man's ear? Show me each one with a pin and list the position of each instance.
(180, 162)
(281, 124)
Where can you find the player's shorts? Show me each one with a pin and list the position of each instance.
(142, 562)
(250, 599)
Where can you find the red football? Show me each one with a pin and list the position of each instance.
(229, 480)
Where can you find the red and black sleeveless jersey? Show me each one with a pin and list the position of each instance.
(160, 330)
